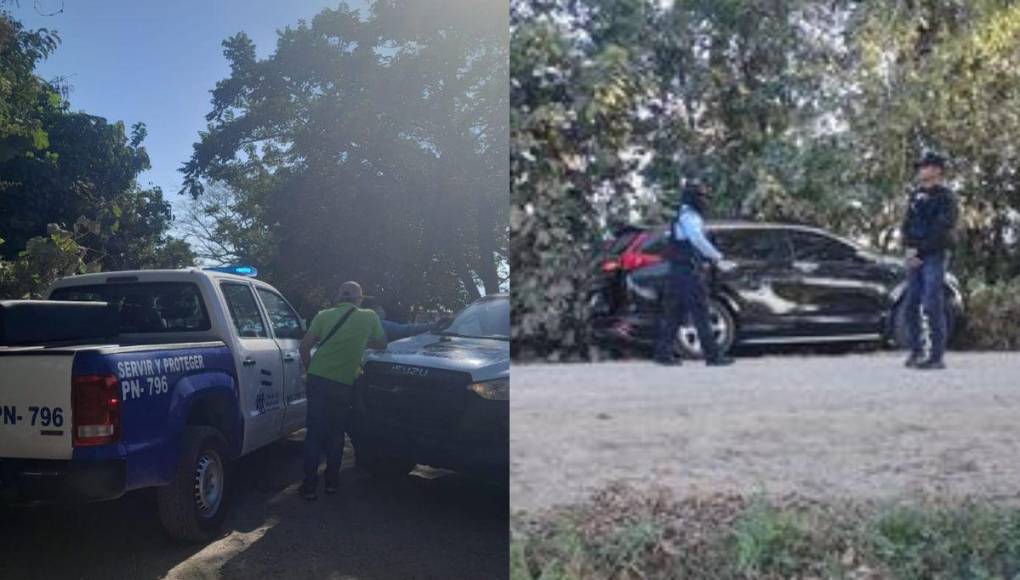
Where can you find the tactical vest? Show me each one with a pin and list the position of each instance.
(681, 252)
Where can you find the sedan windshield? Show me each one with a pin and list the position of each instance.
(486, 318)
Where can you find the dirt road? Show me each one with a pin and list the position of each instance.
(858, 425)
(429, 525)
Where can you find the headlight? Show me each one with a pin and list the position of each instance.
(497, 390)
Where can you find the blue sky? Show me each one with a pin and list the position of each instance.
(155, 61)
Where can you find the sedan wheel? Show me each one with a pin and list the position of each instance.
(723, 329)
(899, 337)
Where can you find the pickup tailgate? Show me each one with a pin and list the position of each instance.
(35, 404)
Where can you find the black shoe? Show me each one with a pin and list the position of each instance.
(912, 361)
(723, 361)
(931, 365)
(668, 362)
(331, 487)
(307, 491)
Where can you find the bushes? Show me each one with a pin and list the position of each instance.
(992, 317)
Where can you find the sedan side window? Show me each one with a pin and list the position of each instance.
(812, 247)
(752, 245)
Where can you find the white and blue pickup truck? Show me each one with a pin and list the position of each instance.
(146, 379)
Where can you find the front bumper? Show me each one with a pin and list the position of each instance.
(46, 481)
(479, 443)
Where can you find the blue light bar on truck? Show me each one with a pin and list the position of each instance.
(249, 271)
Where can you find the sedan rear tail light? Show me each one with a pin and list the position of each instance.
(95, 401)
(636, 260)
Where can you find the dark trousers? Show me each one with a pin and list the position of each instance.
(685, 296)
(328, 409)
(926, 289)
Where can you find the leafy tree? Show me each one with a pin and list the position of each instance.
(44, 259)
(572, 105)
(90, 170)
(367, 146)
(22, 94)
(69, 196)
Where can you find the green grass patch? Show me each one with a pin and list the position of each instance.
(621, 534)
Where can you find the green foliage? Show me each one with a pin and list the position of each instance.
(992, 314)
(975, 542)
(767, 539)
(368, 146)
(69, 197)
(730, 538)
(44, 259)
(22, 94)
(571, 116)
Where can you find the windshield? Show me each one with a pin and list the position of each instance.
(486, 318)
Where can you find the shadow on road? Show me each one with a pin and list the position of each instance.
(431, 524)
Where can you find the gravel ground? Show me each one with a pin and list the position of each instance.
(849, 426)
(432, 524)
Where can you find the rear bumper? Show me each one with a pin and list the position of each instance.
(627, 328)
(37, 480)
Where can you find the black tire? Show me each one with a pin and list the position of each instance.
(898, 337)
(381, 464)
(720, 315)
(187, 514)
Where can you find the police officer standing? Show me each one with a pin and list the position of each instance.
(686, 291)
(927, 235)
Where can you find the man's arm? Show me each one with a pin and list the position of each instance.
(307, 343)
(693, 231)
(311, 339)
(377, 340)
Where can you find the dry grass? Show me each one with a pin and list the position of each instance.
(621, 534)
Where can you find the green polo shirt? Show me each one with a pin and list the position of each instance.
(340, 358)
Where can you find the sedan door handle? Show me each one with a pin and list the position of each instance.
(248, 362)
(805, 267)
(289, 357)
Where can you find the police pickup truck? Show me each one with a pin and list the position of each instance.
(146, 379)
(440, 399)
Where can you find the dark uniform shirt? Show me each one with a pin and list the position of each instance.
(930, 220)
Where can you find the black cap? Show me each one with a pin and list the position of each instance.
(931, 159)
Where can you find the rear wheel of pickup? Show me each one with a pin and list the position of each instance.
(193, 506)
(380, 463)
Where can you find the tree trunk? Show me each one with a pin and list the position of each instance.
(464, 273)
(488, 269)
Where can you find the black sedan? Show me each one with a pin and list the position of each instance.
(790, 284)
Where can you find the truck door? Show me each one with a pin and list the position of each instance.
(288, 332)
(259, 367)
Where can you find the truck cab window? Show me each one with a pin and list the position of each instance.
(285, 322)
(146, 307)
(243, 310)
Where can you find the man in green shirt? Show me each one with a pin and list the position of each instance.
(340, 336)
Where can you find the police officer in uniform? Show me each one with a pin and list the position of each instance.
(686, 291)
(927, 236)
